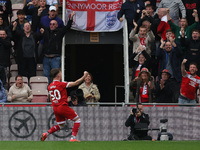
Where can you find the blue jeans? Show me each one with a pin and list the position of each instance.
(50, 63)
(184, 100)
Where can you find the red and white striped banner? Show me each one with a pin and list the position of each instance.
(95, 15)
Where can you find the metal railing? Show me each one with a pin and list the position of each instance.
(122, 104)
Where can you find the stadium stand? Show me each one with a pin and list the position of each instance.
(12, 59)
(15, 8)
(13, 70)
(38, 82)
(39, 70)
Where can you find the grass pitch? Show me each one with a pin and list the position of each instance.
(100, 145)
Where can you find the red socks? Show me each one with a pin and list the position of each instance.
(75, 128)
(54, 129)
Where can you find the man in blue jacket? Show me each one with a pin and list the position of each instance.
(170, 57)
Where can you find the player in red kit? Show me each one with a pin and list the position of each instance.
(58, 95)
(190, 83)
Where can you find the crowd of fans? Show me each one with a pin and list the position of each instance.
(163, 44)
(160, 38)
(34, 37)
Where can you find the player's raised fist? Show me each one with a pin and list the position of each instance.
(184, 61)
(85, 73)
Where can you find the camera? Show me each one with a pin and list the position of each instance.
(163, 129)
(77, 94)
(135, 110)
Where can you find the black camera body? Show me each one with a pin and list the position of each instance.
(163, 120)
(135, 110)
(77, 94)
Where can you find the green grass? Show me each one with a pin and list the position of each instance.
(100, 145)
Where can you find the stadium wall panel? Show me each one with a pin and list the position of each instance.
(97, 123)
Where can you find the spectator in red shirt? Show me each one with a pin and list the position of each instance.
(190, 83)
(164, 25)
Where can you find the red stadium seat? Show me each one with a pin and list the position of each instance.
(39, 70)
(39, 95)
(38, 82)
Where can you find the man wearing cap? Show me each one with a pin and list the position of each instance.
(144, 86)
(164, 91)
(190, 83)
(52, 3)
(45, 20)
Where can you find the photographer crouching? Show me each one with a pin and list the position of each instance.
(76, 98)
(138, 121)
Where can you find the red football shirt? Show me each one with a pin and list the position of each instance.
(189, 85)
(58, 93)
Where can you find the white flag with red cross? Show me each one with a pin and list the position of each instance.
(95, 15)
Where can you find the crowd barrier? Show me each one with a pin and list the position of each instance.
(26, 122)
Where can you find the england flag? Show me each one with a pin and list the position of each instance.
(95, 15)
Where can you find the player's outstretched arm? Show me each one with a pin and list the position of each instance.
(77, 82)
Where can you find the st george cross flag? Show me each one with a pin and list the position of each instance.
(95, 15)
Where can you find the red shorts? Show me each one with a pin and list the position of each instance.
(64, 112)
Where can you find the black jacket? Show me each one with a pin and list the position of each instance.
(5, 46)
(192, 52)
(190, 5)
(8, 10)
(53, 39)
(129, 9)
(166, 94)
(19, 50)
(34, 13)
(131, 121)
(134, 64)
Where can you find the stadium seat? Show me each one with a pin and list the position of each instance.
(13, 70)
(12, 80)
(12, 59)
(15, 8)
(38, 82)
(39, 70)
(39, 95)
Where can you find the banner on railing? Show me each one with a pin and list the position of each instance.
(97, 123)
(94, 15)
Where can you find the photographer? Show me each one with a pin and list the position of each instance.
(138, 121)
(76, 98)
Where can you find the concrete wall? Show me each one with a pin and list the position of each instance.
(97, 123)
